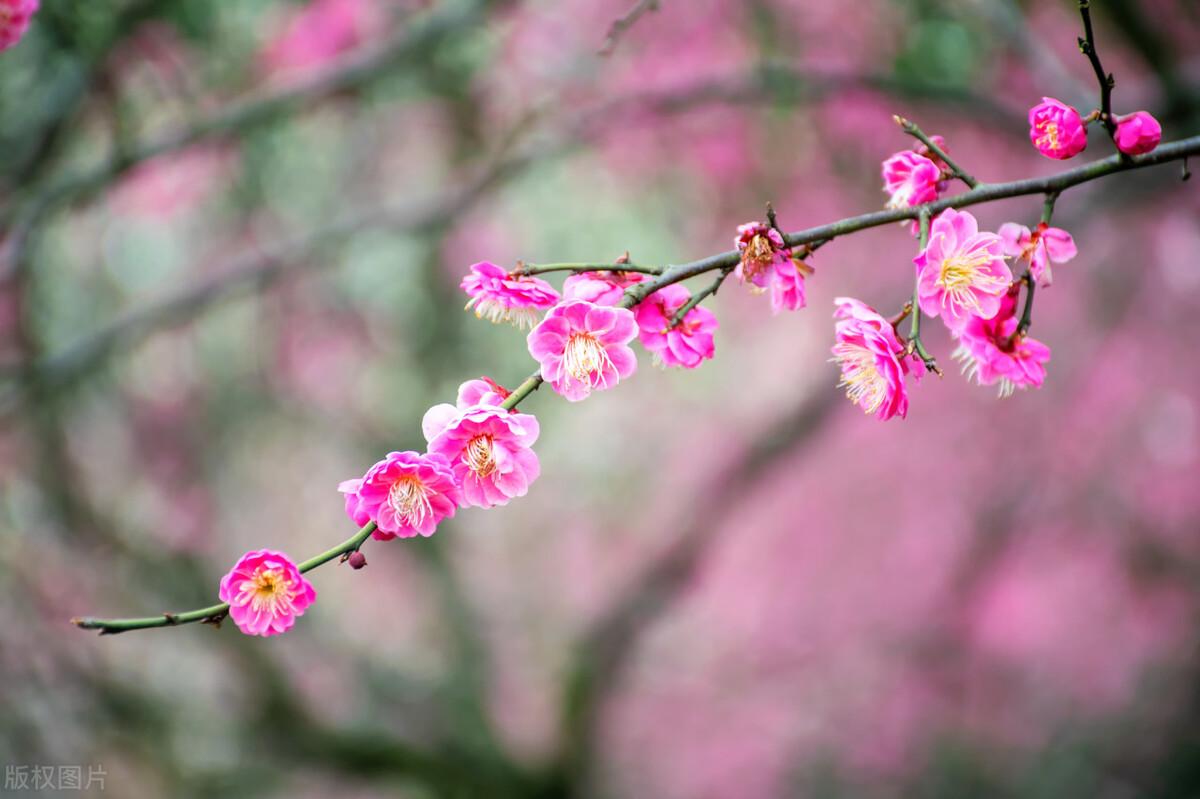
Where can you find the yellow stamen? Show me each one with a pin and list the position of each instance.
(479, 456)
(409, 498)
(585, 358)
(962, 273)
(1049, 138)
(269, 591)
(864, 385)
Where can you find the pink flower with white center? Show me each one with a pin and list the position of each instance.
(601, 288)
(961, 272)
(1137, 133)
(1056, 129)
(686, 344)
(583, 346)
(1040, 248)
(266, 592)
(15, 16)
(501, 297)
(910, 179)
(405, 494)
(992, 353)
(762, 249)
(484, 391)
(872, 359)
(489, 450)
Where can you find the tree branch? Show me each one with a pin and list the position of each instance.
(1087, 46)
(1052, 184)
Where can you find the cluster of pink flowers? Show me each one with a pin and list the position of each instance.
(504, 297)
(993, 352)
(1058, 131)
(15, 16)
(874, 361)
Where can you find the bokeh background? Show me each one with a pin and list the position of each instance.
(232, 239)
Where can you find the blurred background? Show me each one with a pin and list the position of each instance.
(232, 236)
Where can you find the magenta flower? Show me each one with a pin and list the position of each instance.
(502, 297)
(405, 494)
(961, 272)
(686, 344)
(872, 359)
(1137, 133)
(583, 346)
(992, 353)
(910, 179)
(601, 288)
(1056, 129)
(266, 592)
(15, 16)
(762, 248)
(489, 450)
(1039, 248)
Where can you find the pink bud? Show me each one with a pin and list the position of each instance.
(1137, 133)
(1056, 129)
(357, 560)
(15, 16)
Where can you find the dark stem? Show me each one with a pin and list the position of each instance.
(1027, 310)
(955, 170)
(914, 330)
(1087, 46)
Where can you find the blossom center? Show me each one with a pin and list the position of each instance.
(1049, 137)
(409, 498)
(269, 591)
(864, 385)
(758, 256)
(962, 272)
(480, 456)
(584, 357)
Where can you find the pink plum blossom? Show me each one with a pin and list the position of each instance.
(405, 494)
(961, 272)
(583, 346)
(15, 16)
(872, 359)
(489, 450)
(601, 288)
(992, 353)
(686, 344)
(1056, 129)
(767, 263)
(910, 179)
(503, 297)
(1039, 248)
(266, 592)
(1137, 133)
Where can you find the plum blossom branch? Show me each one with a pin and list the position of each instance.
(620, 266)
(956, 171)
(1051, 186)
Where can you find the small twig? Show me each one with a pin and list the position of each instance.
(956, 171)
(914, 330)
(700, 296)
(1048, 206)
(1087, 46)
(624, 22)
(900, 317)
(540, 269)
(1027, 310)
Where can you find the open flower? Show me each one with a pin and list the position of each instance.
(583, 346)
(405, 494)
(686, 344)
(910, 179)
(1056, 129)
(1137, 133)
(601, 288)
(266, 592)
(488, 448)
(1040, 248)
(872, 359)
(961, 272)
(15, 16)
(501, 297)
(992, 353)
